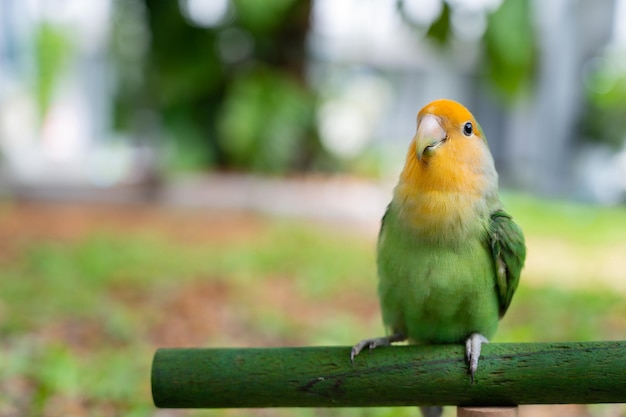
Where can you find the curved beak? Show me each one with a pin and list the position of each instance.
(430, 135)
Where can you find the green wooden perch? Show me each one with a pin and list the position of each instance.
(508, 374)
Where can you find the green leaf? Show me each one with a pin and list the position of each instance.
(265, 120)
(439, 31)
(52, 49)
(510, 47)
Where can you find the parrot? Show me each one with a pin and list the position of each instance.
(449, 257)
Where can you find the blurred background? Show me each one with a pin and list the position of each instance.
(213, 172)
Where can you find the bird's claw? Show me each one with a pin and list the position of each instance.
(369, 343)
(374, 343)
(473, 346)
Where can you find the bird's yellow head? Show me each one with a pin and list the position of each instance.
(449, 152)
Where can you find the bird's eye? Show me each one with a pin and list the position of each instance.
(468, 129)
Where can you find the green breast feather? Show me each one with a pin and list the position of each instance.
(441, 293)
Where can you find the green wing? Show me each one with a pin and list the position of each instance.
(509, 253)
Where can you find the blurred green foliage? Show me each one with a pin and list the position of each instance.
(232, 94)
(262, 121)
(572, 222)
(264, 17)
(510, 48)
(603, 119)
(127, 48)
(509, 45)
(52, 51)
(440, 30)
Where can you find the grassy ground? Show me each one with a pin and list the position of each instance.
(88, 292)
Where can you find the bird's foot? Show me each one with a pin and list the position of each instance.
(473, 345)
(374, 343)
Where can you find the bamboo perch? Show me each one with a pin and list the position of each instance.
(508, 374)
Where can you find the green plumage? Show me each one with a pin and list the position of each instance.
(441, 291)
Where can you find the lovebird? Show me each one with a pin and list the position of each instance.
(449, 256)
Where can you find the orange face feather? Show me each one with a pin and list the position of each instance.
(449, 172)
